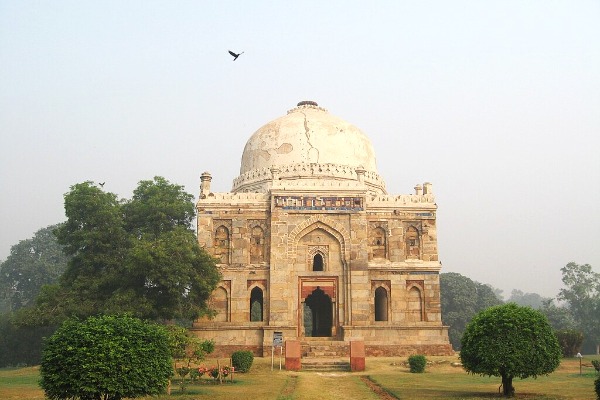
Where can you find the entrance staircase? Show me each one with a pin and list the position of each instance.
(324, 347)
(325, 354)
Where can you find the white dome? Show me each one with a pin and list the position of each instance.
(308, 143)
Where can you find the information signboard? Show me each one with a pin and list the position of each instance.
(277, 342)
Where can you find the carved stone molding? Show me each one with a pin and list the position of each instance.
(419, 283)
(318, 222)
(261, 283)
(387, 284)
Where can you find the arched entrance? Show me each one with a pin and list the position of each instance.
(318, 314)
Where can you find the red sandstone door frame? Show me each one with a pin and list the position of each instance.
(306, 285)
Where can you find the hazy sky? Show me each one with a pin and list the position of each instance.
(497, 103)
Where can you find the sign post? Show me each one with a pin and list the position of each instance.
(277, 342)
(580, 357)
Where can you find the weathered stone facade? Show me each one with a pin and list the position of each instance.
(311, 245)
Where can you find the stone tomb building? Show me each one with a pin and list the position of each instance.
(311, 245)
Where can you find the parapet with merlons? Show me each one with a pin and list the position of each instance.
(234, 198)
(262, 179)
(400, 200)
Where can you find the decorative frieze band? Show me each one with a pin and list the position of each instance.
(294, 171)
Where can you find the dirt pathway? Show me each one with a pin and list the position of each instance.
(381, 392)
(332, 386)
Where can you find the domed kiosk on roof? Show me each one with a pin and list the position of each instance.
(311, 247)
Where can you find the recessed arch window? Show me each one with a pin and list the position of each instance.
(318, 262)
(257, 245)
(412, 244)
(378, 243)
(256, 305)
(415, 305)
(317, 257)
(219, 302)
(221, 244)
(381, 304)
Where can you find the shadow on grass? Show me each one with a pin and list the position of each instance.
(287, 391)
(188, 392)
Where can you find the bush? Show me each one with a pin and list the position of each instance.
(417, 363)
(510, 341)
(242, 360)
(596, 364)
(106, 357)
(597, 383)
(21, 345)
(570, 341)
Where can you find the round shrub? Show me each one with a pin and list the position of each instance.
(242, 360)
(597, 383)
(417, 363)
(596, 364)
(106, 357)
(510, 341)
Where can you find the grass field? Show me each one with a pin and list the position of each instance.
(440, 381)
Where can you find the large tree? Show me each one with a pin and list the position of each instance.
(157, 207)
(94, 236)
(566, 328)
(532, 300)
(461, 299)
(510, 341)
(582, 294)
(138, 256)
(21, 345)
(31, 264)
(559, 316)
(106, 357)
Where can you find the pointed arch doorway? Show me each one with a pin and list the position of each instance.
(318, 308)
(318, 314)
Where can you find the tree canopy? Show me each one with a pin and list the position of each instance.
(559, 316)
(31, 264)
(510, 341)
(138, 256)
(461, 299)
(532, 300)
(106, 357)
(582, 294)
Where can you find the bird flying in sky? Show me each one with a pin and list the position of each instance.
(235, 56)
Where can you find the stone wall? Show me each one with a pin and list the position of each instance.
(365, 244)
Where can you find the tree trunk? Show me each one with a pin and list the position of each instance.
(507, 387)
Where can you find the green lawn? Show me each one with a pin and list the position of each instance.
(440, 381)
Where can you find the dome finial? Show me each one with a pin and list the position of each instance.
(307, 103)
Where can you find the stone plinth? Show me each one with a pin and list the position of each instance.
(293, 355)
(357, 355)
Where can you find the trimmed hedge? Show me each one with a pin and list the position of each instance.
(106, 357)
(417, 363)
(242, 360)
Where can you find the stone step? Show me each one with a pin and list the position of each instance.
(324, 343)
(325, 365)
(316, 354)
(321, 339)
(318, 347)
(328, 347)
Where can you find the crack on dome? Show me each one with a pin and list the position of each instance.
(313, 153)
